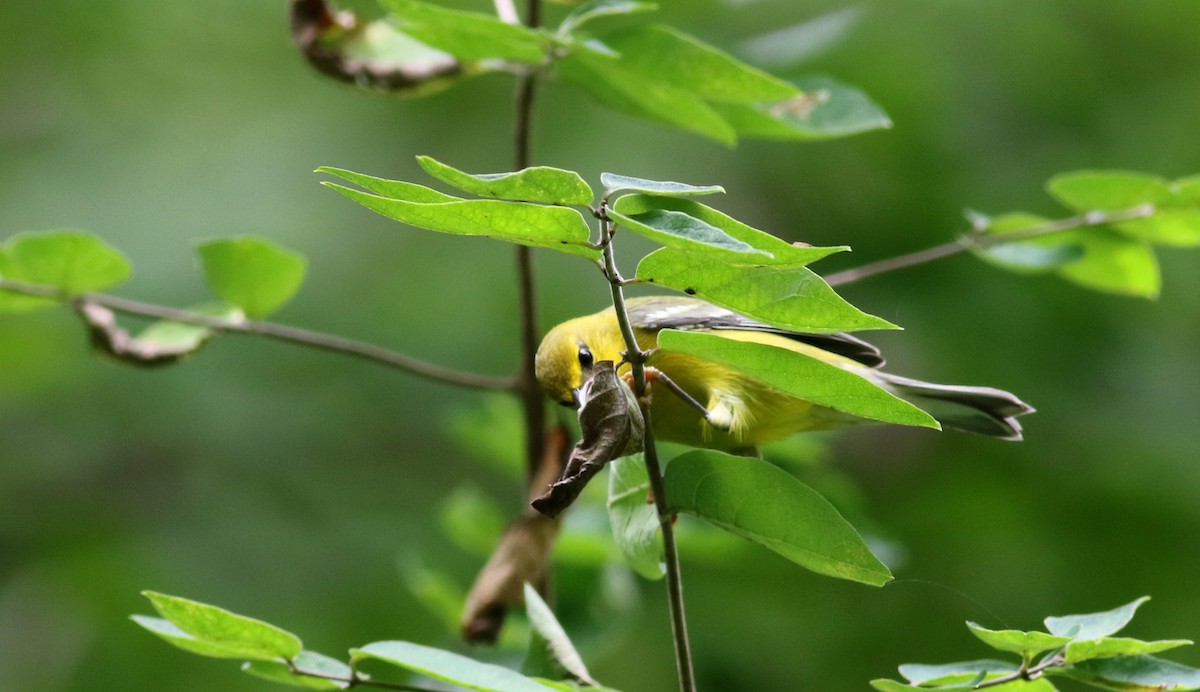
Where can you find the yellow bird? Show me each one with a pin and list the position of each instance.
(743, 412)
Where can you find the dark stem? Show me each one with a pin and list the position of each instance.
(978, 239)
(273, 330)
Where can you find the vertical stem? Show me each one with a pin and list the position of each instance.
(666, 521)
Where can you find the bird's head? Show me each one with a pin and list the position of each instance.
(564, 359)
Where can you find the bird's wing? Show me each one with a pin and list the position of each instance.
(670, 312)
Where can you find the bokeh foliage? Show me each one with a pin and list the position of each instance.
(308, 489)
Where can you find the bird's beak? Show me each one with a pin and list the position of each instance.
(575, 398)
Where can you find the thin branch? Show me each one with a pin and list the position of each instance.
(660, 376)
(636, 358)
(274, 330)
(977, 239)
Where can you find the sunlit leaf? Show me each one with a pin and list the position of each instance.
(963, 683)
(393, 189)
(684, 62)
(539, 184)
(781, 253)
(1176, 212)
(1025, 644)
(73, 262)
(799, 375)
(1133, 674)
(678, 230)
(1094, 625)
(253, 274)
(220, 632)
(633, 516)
(604, 77)
(767, 505)
(614, 183)
(1115, 263)
(1107, 647)
(307, 661)
(789, 297)
(448, 667)
(824, 108)
(920, 674)
(466, 35)
(596, 9)
(557, 228)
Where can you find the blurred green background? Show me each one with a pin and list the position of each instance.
(344, 501)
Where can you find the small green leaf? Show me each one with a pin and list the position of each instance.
(1176, 213)
(219, 632)
(602, 75)
(467, 35)
(556, 228)
(824, 109)
(690, 65)
(253, 274)
(392, 189)
(678, 230)
(919, 674)
(178, 638)
(788, 297)
(800, 375)
(614, 183)
(73, 262)
(601, 8)
(1094, 625)
(963, 683)
(761, 502)
(1025, 644)
(307, 661)
(1107, 647)
(539, 184)
(546, 626)
(448, 667)
(1114, 263)
(781, 253)
(633, 516)
(1133, 674)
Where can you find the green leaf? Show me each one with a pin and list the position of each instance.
(962, 683)
(1025, 644)
(604, 77)
(1176, 217)
(614, 183)
(678, 230)
(824, 109)
(218, 632)
(920, 674)
(1114, 263)
(633, 517)
(1133, 674)
(601, 8)
(547, 627)
(799, 375)
(73, 262)
(253, 274)
(448, 667)
(788, 297)
(393, 189)
(1094, 625)
(467, 35)
(1107, 647)
(310, 661)
(781, 253)
(761, 502)
(684, 62)
(556, 228)
(539, 184)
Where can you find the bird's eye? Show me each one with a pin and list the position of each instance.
(585, 357)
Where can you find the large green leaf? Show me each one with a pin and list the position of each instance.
(603, 76)
(781, 253)
(557, 228)
(393, 189)
(1176, 213)
(614, 183)
(678, 230)
(538, 184)
(664, 54)
(449, 667)
(1108, 647)
(1094, 625)
(1133, 674)
(1025, 644)
(73, 262)
(633, 517)
(307, 661)
(825, 109)
(761, 502)
(253, 274)
(217, 632)
(467, 35)
(799, 375)
(788, 297)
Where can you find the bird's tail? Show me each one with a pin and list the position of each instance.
(982, 410)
